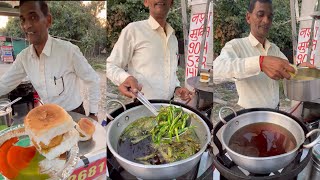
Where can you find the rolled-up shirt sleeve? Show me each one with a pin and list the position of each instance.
(12, 77)
(119, 58)
(90, 78)
(228, 65)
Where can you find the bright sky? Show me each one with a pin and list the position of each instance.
(3, 21)
(102, 14)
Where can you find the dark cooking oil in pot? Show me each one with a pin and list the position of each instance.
(131, 151)
(262, 140)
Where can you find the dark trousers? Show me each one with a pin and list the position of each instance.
(79, 109)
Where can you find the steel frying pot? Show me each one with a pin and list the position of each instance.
(304, 86)
(5, 115)
(164, 171)
(264, 165)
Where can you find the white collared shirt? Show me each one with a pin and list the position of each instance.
(239, 60)
(55, 74)
(151, 56)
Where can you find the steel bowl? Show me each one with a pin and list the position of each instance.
(164, 171)
(303, 90)
(264, 165)
(5, 115)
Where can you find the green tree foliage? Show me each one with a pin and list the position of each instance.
(13, 28)
(121, 12)
(72, 20)
(281, 31)
(230, 23)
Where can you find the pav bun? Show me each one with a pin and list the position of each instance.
(85, 128)
(204, 77)
(51, 130)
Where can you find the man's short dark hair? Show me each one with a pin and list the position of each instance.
(43, 6)
(253, 3)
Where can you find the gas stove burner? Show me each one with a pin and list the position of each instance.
(229, 170)
(311, 114)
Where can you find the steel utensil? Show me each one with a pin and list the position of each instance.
(8, 105)
(146, 102)
(303, 89)
(163, 171)
(5, 115)
(264, 165)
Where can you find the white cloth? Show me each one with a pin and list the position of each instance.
(239, 61)
(55, 74)
(151, 56)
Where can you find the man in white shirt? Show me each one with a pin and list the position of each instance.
(53, 66)
(253, 62)
(150, 50)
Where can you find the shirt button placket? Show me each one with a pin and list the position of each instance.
(169, 67)
(42, 77)
(264, 53)
(166, 63)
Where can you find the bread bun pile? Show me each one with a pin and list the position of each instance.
(51, 130)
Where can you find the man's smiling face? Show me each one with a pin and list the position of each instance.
(34, 23)
(158, 8)
(260, 20)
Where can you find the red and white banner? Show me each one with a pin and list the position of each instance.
(303, 44)
(6, 53)
(3, 38)
(7, 59)
(195, 37)
(6, 48)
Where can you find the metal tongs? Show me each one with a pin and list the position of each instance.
(146, 102)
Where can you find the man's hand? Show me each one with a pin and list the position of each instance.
(93, 117)
(276, 68)
(130, 87)
(183, 93)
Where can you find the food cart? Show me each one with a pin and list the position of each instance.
(92, 153)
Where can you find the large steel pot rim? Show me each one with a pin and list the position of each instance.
(298, 146)
(303, 87)
(308, 72)
(301, 80)
(114, 123)
(160, 165)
